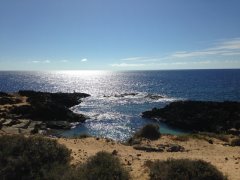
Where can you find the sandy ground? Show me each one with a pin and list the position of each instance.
(225, 158)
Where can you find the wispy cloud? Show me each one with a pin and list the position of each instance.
(46, 61)
(35, 62)
(43, 62)
(224, 48)
(126, 65)
(134, 58)
(141, 59)
(64, 61)
(181, 64)
(84, 60)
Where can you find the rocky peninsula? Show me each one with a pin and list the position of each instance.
(28, 112)
(199, 116)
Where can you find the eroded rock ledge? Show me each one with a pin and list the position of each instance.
(30, 111)
(199, 115)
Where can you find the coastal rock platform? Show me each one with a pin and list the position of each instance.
(28, 112)
(199, 116)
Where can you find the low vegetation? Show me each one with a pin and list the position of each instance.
(30, 158)
(149, 131)
(202, 136)
(183, 169)
(236, 142)
(103, 166)
(43, 158)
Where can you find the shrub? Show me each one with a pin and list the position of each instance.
(235, 142)
(30, 158)
(184, 169)
(102, 166)
(150, 131)
(222, 137)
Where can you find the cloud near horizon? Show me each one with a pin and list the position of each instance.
(227, 48)
(43, 62)
(64, 61)
(127, 65)
(84, 60)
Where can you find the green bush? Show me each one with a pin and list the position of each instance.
(235, 142)
(30, 158)
(150, 131)
(102, 166)
(184, 169)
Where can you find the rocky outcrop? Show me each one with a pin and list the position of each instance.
(50, 109)
(8, 99)
(50, 106)
(199, 115)
(159, 148)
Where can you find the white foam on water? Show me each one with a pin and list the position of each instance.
(111, 115)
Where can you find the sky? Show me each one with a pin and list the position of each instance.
(119, 34)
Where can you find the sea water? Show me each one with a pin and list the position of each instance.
(118, 98)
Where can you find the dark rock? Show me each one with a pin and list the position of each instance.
(63, 99)
(50, 106)
(58, 124)
(125, 94)
(3, 94)
(147, 148)
(199, 115)
(154, 97)
(8, 100)
(234, 131)
(175, 148)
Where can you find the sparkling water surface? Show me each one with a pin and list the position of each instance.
(113, 109)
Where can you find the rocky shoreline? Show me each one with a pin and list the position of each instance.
(199, 116)
(27, 112)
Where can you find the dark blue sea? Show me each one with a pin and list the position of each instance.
(118, 98)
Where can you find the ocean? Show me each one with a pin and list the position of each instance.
(118, 98)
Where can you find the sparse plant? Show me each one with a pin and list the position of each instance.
(30, 158)
(183, 169)
(235, 142)
(102, 166)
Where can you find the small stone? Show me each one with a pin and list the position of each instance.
(226, 158)
(138, 155)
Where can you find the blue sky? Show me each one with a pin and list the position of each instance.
(119, 34)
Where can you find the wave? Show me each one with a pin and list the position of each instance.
(127, 98)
